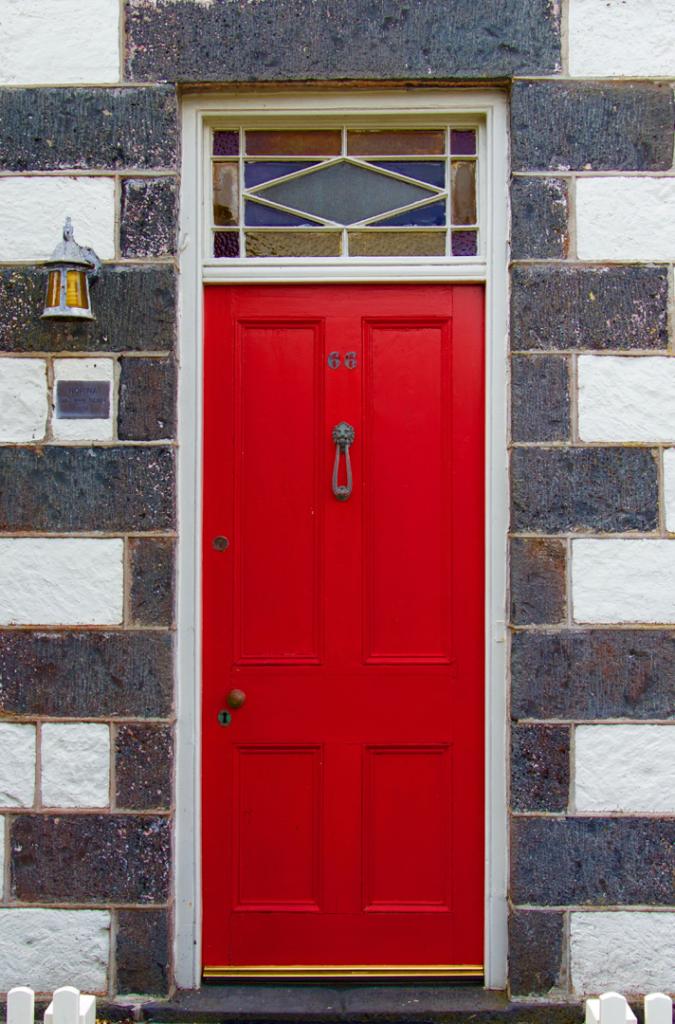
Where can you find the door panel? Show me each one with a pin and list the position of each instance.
(408, 518)
(343, 802)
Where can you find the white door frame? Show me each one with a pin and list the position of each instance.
(406, 107)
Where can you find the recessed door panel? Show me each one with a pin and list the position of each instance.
(407, 479)
(277, 828)
(342, 725)
(407, 807)
(277, 447)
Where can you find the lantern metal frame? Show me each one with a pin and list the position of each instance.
(77, 268)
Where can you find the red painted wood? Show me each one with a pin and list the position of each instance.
(343, 805)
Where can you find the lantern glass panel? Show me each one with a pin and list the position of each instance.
(54, 288)
(76, 289)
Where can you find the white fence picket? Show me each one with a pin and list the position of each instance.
(69, 1007)
(658, 1009)
(20, 1005)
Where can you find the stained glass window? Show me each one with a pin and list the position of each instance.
(335, 192)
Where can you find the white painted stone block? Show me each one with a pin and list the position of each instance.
(75, 765)
(669, 488)
(17, 765)
(625, 768)
(23, 399)
(49, 948)
(623, 580)
(625, 218)
(2, 857)
(624, 398)
(622, 38)
(59, 42)
(33, 211)
(55, 581)
(86, 370)
(631, 950)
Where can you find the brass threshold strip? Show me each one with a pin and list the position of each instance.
(348, 971)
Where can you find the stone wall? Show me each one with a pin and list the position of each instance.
(89, 126)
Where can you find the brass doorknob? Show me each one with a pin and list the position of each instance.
(236, 699)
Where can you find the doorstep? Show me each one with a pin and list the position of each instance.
(348, 1002)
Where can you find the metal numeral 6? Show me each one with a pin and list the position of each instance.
(335, 360)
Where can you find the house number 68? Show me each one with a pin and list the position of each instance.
(335, 360)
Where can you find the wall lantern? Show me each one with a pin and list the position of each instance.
(71, 268)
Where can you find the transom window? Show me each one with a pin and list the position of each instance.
(341, 192)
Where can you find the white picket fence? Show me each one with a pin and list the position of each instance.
(612, 1008)
(68, 1006)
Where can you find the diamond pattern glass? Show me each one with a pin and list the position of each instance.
(338, 192)
(345, 193)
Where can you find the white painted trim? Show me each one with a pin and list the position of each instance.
(361, 107)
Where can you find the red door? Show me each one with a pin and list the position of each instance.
(343, 802)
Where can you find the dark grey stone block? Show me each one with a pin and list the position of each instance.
(539, 209)
(591, 126)
(537, 580)
(149, 219)
(561, 489)
(90, 858)
(320, 40)
(147, 399)
(107, 129)
(535, 951)
(143, 951)
(60, 489)
(598, 673)
(592, 861)
(144, 767)
(540, 767)
(86, 674)
(135, 310)
(589, 308)
(540, 398)
(152, 580)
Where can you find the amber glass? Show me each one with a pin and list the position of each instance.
(463, 192)
(293, 243)
(396, 243)
(76, 289)
(410, 143)
(225, 193)
(54, 288)
(287, 143)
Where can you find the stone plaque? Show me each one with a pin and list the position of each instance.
(83, 399)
